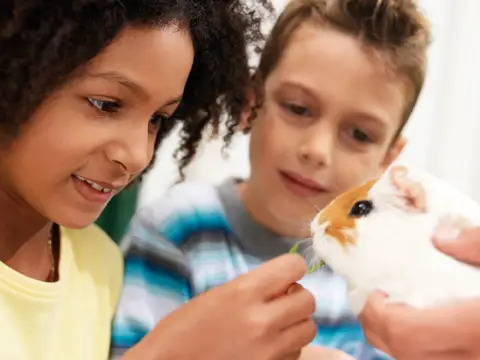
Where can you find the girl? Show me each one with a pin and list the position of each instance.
(88, 90)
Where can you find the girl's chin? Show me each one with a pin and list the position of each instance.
(79, 220)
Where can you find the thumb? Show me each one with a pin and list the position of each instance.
(463, 246)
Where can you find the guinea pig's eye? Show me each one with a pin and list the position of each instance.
(361, 208)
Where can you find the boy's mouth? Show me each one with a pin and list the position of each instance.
(301, 186)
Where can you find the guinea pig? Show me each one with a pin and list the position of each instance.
(378, 236)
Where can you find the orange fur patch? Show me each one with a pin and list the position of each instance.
(336, 213)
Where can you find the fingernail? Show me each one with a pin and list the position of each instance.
(445, 234)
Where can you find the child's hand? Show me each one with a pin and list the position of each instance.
(312, 352)
(446, 333)
(259, 315)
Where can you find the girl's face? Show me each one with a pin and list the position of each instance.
(91, 137)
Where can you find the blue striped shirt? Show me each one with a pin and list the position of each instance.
(199, 236)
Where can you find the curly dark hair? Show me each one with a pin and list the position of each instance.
(42, 43)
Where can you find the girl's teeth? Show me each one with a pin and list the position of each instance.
(94, 185)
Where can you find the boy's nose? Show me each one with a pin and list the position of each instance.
(316, 147)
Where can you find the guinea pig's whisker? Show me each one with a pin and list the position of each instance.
(315, 206)
(308, 253)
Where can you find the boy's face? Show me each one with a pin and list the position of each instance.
(330, 113)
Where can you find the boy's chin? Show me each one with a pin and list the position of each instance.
(296, 213)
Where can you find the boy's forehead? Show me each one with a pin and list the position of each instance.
(330, 63)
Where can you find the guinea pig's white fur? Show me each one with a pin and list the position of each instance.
(393, 249)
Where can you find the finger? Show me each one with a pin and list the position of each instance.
(314, 352)
(292, 356)
(373, 319)
(447, 328)
(464, 247)
(442, 355)
(376, 340)
(273, 278)
(451, 355)
(297, 336)
(293, 308)
(396, 328)
(429, 331)
(373, 313)
(293, 288)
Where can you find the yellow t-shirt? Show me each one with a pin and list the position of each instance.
(71, 318)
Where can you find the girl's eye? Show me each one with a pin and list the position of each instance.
(360, 136)
(107, 106)
(297, 110)
(158, 120)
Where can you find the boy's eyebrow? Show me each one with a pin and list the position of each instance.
(130, 84)
(367, 115)
(299, 86)
(378, 119)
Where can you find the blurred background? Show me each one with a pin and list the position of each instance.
(443, 134)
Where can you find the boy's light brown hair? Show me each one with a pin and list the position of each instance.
(395, 29)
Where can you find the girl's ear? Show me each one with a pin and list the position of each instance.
(393, 152)
(412, 192)
(244, 124)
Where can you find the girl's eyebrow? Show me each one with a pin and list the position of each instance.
(120, 79)
(129, 84)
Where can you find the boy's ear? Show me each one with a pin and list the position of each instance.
(393, 152)
(244, 125)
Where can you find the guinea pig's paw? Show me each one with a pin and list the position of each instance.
(451, 226)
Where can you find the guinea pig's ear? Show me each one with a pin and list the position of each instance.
(410, 190)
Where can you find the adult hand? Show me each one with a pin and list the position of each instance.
(450, 332)
(464, 246)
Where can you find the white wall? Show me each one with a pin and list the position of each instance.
(443, 132)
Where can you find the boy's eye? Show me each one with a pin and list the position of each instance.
(297, 110)
(107, 106)
(360, 136)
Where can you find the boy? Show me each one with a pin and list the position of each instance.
(335, 85)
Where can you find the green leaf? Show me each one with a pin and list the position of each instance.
(294, 249)
(316, 267)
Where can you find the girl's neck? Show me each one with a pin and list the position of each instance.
(24, 236)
